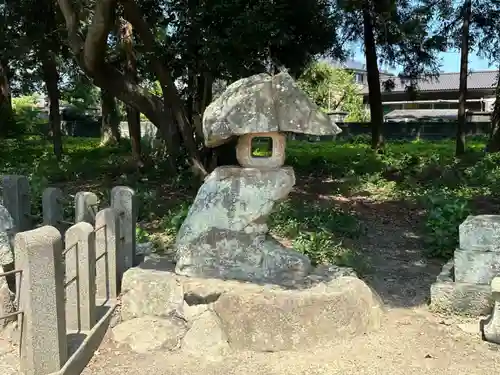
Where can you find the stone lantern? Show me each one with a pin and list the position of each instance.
(225, 234)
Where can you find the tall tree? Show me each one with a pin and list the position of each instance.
(393, 32)
(49, 51)
(374, 92)
(464, 72)
(230, 37)
(130, 70)
(110, 126)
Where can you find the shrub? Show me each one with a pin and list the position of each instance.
(28, 118)
(444, 215)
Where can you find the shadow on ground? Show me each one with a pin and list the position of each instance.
(391, 243)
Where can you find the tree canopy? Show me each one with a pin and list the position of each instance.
(162, 59)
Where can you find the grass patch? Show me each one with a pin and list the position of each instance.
(421, 171)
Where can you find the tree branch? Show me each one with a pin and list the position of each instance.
(71, 19)
(134, 16)
(90, 56)
(97, 35)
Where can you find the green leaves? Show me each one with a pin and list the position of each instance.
(333, 90)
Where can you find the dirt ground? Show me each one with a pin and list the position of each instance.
(412, 340)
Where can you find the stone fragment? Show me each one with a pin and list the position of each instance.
(461, 298)
(481, 232)
(6, 237)
(206, 337)
(147, 334)
(225, 234)
(491, 328)
(150, 293)
(476, 267)
(260, 104)
(247, 160)
(293, 320)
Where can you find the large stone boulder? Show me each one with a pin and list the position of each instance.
(328, 306)
(264, 103)
(225, 234)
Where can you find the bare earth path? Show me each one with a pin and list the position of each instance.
(412, 340)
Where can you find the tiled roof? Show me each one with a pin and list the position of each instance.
(486, 79)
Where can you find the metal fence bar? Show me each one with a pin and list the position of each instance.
(10, 272)
(6, 316)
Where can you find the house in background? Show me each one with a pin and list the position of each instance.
(357, 68)
(437, 98)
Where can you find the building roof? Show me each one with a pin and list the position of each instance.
(433, 114)
(486, 79)
(350, 65)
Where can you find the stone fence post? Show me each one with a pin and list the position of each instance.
(17, 200)
(80, 277)
(85, 207)
(124, 201)
(52, 208)
(109, 255)
(39, 256)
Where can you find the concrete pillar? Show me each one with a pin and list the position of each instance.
(39, 254)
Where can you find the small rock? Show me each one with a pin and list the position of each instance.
(147, 334)
(206, 337)
(150, 293)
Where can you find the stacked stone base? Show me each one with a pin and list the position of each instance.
(211, 317)
(459, 298)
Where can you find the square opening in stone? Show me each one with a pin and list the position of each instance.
(261, 147)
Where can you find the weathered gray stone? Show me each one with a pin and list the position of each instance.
(6, 237)
(108, 255)
(150, 293)
(86, 207)
(16, 199)
(206, 337)
(225, 234)
(292, 320)
(124, 201)
(39, 254)
(278, 318)
(491, 328)
(461, 298)
(260, 104)
(147, 334)
(480, 232)
(80, 277)
(52, 208)
(476, 267)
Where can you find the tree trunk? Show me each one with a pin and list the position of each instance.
(51, 78)
(375, 94)
(133, 115)
(494, 143)
(462, 98)
(6, 114)
(110, 126)
(90, 54)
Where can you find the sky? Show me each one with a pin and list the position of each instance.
(450, 62)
